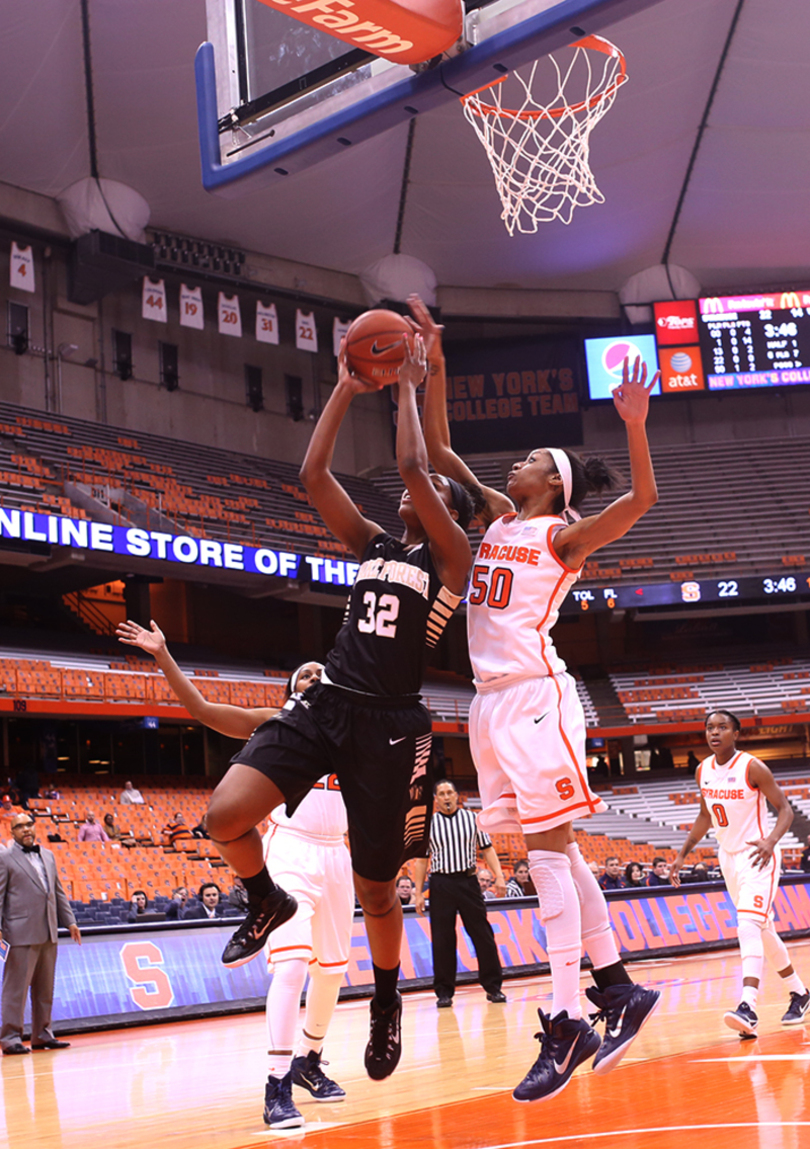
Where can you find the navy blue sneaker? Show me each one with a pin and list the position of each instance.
(263, 915)
(384, 1047)
(742, 1019)
(279, 1111)
(799, 1005)
(564, 1044)
(307, 1072)
(624, 1010)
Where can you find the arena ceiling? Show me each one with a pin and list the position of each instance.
(743, 220)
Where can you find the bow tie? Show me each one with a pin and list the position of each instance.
(30, 849)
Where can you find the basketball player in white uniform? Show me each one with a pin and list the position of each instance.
(734, 787)
(310, 849)
(527, 727)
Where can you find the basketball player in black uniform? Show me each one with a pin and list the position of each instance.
(364, 721)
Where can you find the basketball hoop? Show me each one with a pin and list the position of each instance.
(539, 152)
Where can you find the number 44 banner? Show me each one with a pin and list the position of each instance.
(153, 300)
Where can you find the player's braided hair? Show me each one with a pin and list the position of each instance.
(588, 476)
(733, 719)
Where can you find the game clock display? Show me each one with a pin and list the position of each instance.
(794, 587)
(734, 342)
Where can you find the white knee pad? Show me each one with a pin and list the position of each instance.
(776, 952)
(549, 870)
(752, 950)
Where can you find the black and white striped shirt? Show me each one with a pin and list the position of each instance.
(454, 842)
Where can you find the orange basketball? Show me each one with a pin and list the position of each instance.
(375, 346)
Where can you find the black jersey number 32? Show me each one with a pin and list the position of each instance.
(381, 615)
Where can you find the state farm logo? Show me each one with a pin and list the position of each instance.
(675, 321)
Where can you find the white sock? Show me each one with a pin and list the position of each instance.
(283, 1006)
(749, 995)
(322, 996)
(597, 933)
(560, 914)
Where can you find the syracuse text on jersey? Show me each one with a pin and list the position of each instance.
(396, 571)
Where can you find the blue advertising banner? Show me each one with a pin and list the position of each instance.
(123, 973)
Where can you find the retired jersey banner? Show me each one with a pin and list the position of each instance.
(514, 396)
(266, 322)
(228, 315)
(191, 307)
(153, 300)
(21, 272)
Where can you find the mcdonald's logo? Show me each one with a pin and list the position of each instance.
(788, 299)
(711, 306)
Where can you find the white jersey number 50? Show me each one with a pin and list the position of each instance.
(381, 616)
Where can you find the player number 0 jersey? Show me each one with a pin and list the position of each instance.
(738, 810)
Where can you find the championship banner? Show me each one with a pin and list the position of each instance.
(266, 322)
(229, 315)
(21, 272)
(191, 307)
(172, 969)
(514, 396)
(153, 300)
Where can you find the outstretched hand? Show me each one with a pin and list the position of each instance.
(414, 367)
(423, 324)
(351, 382)
(152, 641)
(632, 397)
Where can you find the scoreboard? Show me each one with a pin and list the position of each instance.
(750, 590)
(733, 342)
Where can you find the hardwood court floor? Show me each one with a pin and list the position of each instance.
(687, 1080)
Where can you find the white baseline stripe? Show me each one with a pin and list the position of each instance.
(590, 1136)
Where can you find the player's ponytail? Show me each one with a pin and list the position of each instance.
(590, 476)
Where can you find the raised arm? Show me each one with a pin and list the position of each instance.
(760, 776)
(232, 721)
(333, 504)
(437, 428)
(449, 545)
(631, 398)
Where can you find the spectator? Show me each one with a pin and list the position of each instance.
(633, 876)
(486, 881)
(138, 902)
(659, 874)
(130, 796)
(116, 833)
(692, 762)
(32, 903)
(405, 891)
(612, 877)
(176, 829)
(175, 908)
(199, 831)
(7, 806)
(520, 885)
(700, 873)
(238, 896)
(52, 793)
(594, 868)
(210, 905)
(804, 861)
(91, 831)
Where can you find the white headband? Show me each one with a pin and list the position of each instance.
(293, 679)
(563, 465)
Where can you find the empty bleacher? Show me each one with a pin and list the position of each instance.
(760, 487)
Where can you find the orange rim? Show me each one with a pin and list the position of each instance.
(592, 43)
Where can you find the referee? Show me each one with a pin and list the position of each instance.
(454, 843)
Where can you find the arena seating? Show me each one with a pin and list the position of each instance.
(680, 535)
(687, 693)
(166, 484)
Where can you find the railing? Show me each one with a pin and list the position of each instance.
(89, 614)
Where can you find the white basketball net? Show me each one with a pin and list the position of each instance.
(539, 152)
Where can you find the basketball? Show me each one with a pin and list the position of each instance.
(375, 346)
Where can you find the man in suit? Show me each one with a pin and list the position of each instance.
(32, 901)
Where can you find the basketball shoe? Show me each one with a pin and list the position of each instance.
(263, 915)
(564, 1044)
(307, 1072)
(384, 1047)
(624, 1010)
(742, 1019)
(279, 1111)
(799, 1005)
